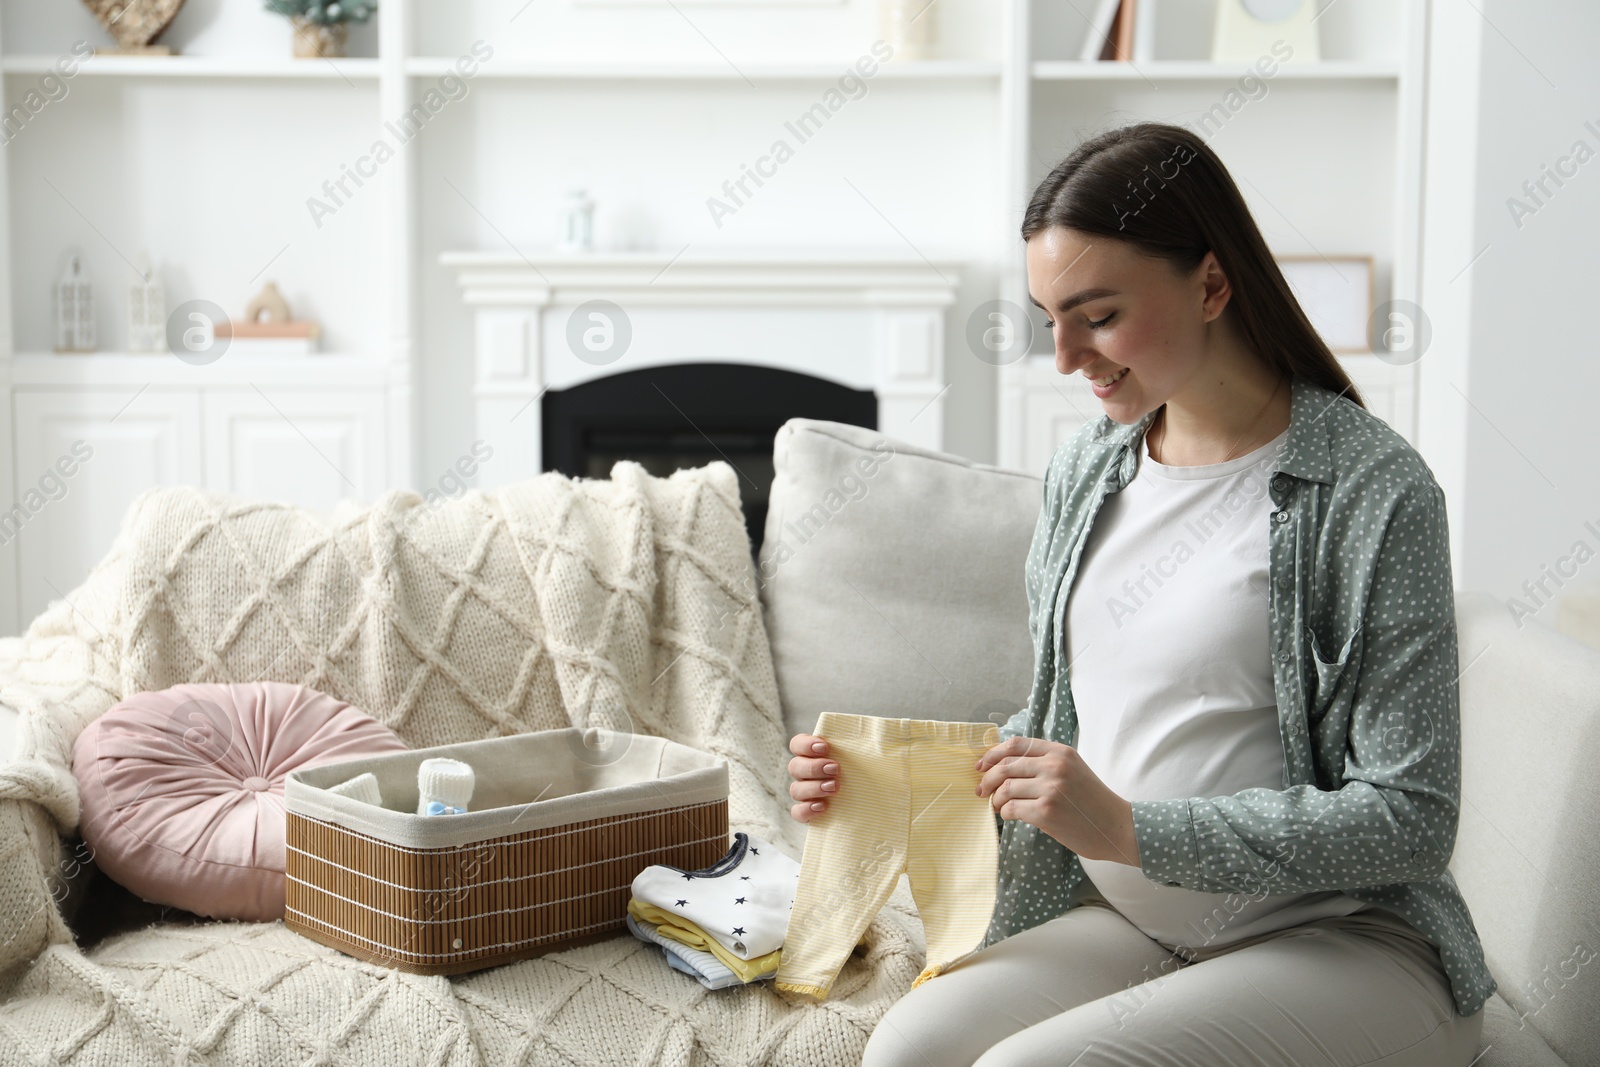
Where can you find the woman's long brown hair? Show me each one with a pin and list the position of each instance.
(1161, 188)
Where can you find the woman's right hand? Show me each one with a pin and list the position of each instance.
(816, 776)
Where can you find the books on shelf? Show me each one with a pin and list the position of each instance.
(1121, 30)
(1100, 30)
(1144, 32)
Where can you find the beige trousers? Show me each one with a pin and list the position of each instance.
(909, 803)
(1089, 989)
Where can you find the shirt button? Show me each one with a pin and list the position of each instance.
(1280, 482)
(1282, 515)
(1283, 657)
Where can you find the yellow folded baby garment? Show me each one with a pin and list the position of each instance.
(680, 929)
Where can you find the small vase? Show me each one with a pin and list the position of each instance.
(315, 41)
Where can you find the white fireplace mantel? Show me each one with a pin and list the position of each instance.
(865, 318)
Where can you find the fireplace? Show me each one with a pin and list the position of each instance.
(688, 415)
(723, 346)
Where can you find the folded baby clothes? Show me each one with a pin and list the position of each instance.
(678, 963)
(703, 966)
(741, 902)
(687, 933)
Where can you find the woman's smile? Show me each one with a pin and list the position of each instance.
(1104, 387)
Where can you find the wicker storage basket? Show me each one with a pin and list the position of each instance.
(558, 829)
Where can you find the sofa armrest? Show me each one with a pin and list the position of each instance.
(42, 872)
(10, 724)
(49, 688)
(37, 869)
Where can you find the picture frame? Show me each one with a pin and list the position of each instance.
(1337, 294)
(1246, 30)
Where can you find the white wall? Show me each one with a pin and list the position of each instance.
(911, 163)
(1510, 383)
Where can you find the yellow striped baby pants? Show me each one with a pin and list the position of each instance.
(906, 802)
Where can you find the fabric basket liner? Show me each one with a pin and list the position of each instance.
(524, 782)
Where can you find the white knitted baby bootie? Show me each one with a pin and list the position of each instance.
(363, 787)
(444, 786)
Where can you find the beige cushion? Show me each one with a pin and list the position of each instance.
(892, 579)
(1509, 1039)
(1530, 728)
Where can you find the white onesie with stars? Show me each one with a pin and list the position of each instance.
(743, 900)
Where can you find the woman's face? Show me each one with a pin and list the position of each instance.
(1125, 311)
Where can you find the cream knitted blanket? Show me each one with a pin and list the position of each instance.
(623, 603)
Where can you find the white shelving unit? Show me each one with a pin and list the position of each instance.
(195, 148)
(208, 159)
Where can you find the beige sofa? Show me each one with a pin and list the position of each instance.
(890, 582)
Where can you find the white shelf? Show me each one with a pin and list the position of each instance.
(1003, 112)
(1202, 70)
(939, 69)
(319, 371)
(198, 67)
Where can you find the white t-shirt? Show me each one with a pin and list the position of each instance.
(1167, 641)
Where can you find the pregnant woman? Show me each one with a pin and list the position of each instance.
(1225, 814)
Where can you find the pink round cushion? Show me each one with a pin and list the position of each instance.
(182, 788)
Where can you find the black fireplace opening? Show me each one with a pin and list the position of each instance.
(690, 414)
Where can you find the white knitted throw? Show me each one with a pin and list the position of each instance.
(623, 603)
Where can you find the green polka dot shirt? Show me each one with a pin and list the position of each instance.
(1363, 631)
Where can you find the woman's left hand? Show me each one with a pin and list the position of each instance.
(1048, 785)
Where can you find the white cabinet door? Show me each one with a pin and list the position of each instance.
(82, 456)
(294, 445)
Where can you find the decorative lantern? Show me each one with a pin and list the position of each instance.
(75, 308)
(578, 234)
(147, 311)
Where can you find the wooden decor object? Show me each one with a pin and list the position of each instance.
(135, 24)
